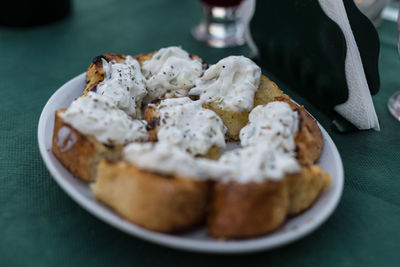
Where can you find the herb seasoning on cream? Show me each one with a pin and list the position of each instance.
(98, 116)
(275, 123)
(232, 82)
(170, 73)
(124, 83)
(187, 124)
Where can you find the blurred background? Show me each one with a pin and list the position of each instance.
(42, 226)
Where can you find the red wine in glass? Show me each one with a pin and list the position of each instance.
(222, 3)
(221, 25)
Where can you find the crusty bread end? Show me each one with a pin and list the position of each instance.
(154, 201)
(241, 210)
(308, 139)
(79, 153)
(245, 210)
(305, 187)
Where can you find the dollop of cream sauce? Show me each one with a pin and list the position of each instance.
(274, 123)
(185, 123)
(259, 160)
(98, 116)
(125, 84)
(249, 164)
(187, 128)
(232, 83)
(258, 163)
(170, 73)
(168, 159)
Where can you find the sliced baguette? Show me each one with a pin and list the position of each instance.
(308, 139)
(153, 201)
(240, 210)
(95, 72)
(235, 121)
(79, 153)
(305, 187)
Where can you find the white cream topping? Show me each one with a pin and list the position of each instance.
(124, 83)
(170, 73)
(258, 163)
(267, 152)
(274, 123)
(186, 128)
(98, 116)
(250, 164)
(185, 123)
(231, 82)
(167, 159)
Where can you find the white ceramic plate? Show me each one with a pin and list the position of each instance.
(198, 240)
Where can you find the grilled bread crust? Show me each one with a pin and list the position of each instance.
(153, 201)
(305, 187)
(308, 139)
(78, 152)
(249, 209)
(95, 72)
(242, 210)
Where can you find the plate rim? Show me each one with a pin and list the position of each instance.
(203, 246)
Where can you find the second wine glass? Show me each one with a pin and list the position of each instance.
(222, 25)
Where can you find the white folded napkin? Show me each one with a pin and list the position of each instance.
(359, 108)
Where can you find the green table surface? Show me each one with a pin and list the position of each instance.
(41, 226)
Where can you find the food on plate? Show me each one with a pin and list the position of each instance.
(90, 129)
(187, 124)
(170, 144)
(232, 88)
(151, 200)
(171, 72)
(309, 137)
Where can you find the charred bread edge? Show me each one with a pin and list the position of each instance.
(308, 139)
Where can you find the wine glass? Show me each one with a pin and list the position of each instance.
(394, 101)
(222, 25)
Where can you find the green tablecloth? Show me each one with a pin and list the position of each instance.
(41, 226)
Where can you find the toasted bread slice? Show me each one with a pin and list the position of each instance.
(305, 187)
(95, 72)
(240, 210)
(78, 152)
(267, 92)
(249, 209)
(308, 139)
(153, 201)
(152, 117)
(234, 121)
